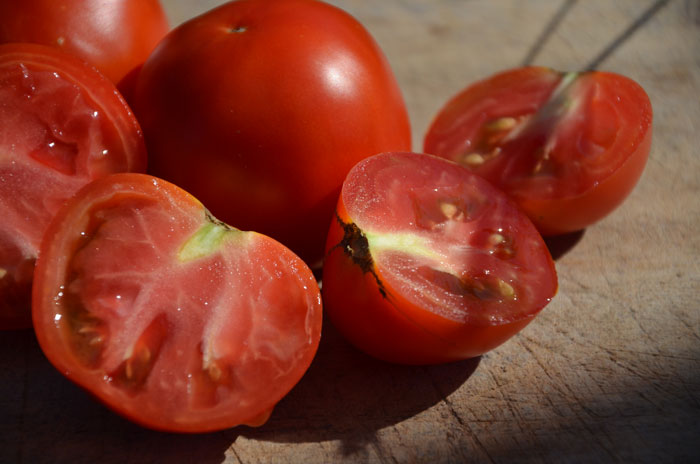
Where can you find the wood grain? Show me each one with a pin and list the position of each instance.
(609, 372)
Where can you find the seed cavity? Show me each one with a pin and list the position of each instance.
(133, 372)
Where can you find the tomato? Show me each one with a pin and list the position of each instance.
(569, 148)
(167, 315)
(114, 35)
(260, 108)
(428, 263)
(62, 124)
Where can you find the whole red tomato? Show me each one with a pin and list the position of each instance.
(260, 108)
(428, 263)
(114, 35)
(62, 125)
(568, 147)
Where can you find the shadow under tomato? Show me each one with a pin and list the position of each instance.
(559, 245)
(44, 418)
(347, 395)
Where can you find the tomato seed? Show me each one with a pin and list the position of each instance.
(502, 124)
(473, 159)
(214, 372)
(506, 289)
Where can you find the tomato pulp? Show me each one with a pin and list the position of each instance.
(271, 102)
(170, 317)
(62, 124)
(567, 147)
(428, 263)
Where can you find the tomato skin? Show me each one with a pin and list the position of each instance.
(116, 36)
(384, 322)
(86, 114)
(272, 101)
(253, 367)
(611, 113)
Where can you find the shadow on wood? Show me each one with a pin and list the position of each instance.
(349, 396)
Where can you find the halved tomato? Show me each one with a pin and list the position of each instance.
(567, 147)
(170, 317)
(428, 263)
(62, 124)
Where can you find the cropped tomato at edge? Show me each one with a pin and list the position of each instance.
(170, 317)
(272, 102)
(567, 147)
(427, 263)
(116, 36)
(62, 125)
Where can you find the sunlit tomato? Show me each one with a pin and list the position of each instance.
(428, 263)
(260, 107)
(568, 148)
(62, 124)
(170, 317)
(114, 35)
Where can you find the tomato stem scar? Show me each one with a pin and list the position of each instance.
(206, 240)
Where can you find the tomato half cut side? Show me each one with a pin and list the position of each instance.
(62, 125)
(567, 147)
(171, 318)
(428, 263)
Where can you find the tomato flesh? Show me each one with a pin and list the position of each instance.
(172, 318)
(63, 125)
(429, 263)
(567, 147)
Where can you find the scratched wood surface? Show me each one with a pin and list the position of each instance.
(609, 372)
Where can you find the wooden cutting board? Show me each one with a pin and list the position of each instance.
(609, 372)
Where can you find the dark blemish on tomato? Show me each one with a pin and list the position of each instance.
(210, 217)
(355, 245)
(237, 29)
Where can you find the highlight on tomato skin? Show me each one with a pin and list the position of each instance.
(62, 125)
(171, 318)
(567, 147)
(428, 263)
